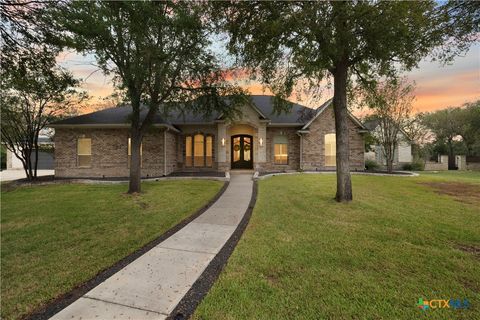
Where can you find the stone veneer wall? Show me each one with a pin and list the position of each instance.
(110, 153)
(293, 149)
(314, 143)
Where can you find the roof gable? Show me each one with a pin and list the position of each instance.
(324, 106)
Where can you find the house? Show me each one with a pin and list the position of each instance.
(45, 155)
(98, 144)
(402, 154)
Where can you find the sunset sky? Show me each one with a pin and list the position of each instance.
(437, 86)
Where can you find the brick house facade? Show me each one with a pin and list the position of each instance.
(96, 145)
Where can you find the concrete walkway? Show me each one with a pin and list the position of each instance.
(152, 286)
(9, 175)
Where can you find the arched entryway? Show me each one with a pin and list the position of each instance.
(242, 151)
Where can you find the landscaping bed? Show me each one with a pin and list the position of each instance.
(55, 237)
(304, 256)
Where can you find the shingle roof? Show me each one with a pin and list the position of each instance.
(297, 114)
(371, 124)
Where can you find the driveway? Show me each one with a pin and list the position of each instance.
(9, 175)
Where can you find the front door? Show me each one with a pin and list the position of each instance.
(242, 156)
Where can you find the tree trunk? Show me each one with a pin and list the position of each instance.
(135, 169)
(389, 165)
(389, 157)
(344, 183)
(36, 159)
(451, 156)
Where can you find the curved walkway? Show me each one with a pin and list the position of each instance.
(152, 286)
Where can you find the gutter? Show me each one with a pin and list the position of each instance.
(106, 126)
(165, 152)
(301, 149)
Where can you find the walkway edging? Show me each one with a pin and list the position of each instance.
(61, 302)
(407, 174)
(200, 288)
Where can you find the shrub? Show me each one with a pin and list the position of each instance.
(371, 165)
(414, 166)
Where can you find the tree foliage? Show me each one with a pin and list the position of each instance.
(453, 127)
(33, 92)
(391, 103)
(159, 54)
(34, 89)
(288, 43)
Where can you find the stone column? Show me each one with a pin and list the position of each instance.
(222, 149)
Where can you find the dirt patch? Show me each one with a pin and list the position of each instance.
(475, 250)
(463, 192)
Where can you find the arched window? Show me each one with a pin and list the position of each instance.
(330, 150)
(199, 150)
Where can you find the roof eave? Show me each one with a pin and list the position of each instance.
(105, 126)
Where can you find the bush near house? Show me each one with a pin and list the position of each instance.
(414, 166)
(371, 165)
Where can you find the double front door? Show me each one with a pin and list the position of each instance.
(242, 152)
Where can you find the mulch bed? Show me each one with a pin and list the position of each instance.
(197, 174)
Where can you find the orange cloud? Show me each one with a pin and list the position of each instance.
(437, 87)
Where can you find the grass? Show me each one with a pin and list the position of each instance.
(58, 236)
(304, 256)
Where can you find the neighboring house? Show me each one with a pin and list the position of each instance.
(45, 156)
(98, 144)
(402, 155)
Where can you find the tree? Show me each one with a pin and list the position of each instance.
(33, 88)
(445, 124)
(391, 102)
(420, 136)
(33, 91)
(469, 125)
(159, 54)
(293, 42)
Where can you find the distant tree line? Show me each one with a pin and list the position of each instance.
(456, 131)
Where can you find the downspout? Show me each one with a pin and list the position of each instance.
(301, 150)
(165, 151)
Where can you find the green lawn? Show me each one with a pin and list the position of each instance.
(56, 237)
(304, 256)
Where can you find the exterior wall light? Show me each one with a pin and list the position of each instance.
(223, 142)
(261, 142)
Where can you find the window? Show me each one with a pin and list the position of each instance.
(188, 151)
(198, 151)
(330, 150)
(130, 152)
(280, 150)
(84, 152)
(208, 151)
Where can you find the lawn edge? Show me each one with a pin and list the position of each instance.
(61, 302)
(200, 288)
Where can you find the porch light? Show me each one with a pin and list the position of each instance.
(223, 142)
(261, 142)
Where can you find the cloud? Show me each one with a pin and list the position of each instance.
(437, 87)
